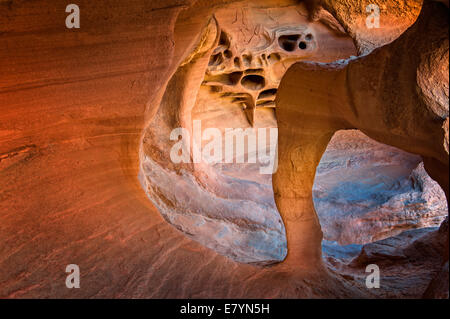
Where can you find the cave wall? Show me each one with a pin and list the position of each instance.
(366, 191)
(398, 108)
(73, 106)
(227, 208)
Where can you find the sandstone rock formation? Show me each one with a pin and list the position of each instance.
(85, 112)
(413, 258)
(353, 15)
(228, 207)
(366, 191)
(74, 104)
(395, 108)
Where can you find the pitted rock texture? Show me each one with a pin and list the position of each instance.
(387, 106)
(73, 108)
(250, 75)
(257, 46)
(356, 18)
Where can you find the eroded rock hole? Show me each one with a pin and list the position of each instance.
(247, 59)
(238, 91)
(302, 45)
(274, 57)
(224, 79)
(265, 103)
(253, 82)
(216, 59)
(237, 62)
(366, 191)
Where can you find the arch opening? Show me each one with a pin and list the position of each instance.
(365, 191)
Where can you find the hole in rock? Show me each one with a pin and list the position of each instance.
(288, 42)
(266, 103)
(247, 60)
(365, 191)
(237, 62)
(253, 82)
(274, 57)
(302, 45)
(224, 40)
(254, 71)
(216, 89)
(270, 93)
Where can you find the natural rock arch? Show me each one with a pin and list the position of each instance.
(398, 108)
(248, 75)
